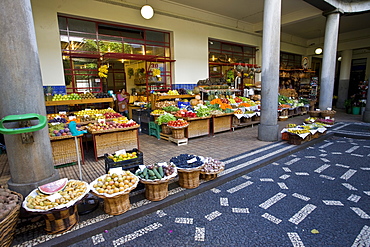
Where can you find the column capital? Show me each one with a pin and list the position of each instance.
(334, 11)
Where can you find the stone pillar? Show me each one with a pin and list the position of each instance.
(345, 72)
(268, 130)
(329, 59)
(21, 92)
(366, 115)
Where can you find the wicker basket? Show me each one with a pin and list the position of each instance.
(327, 113)
(8, 224)
(64, 149)
(117, 205)
(189, 178)
(314, 113)
(283, 118)
(61, 221)
(316, 135)
(166, 129)
(297, 140)
(178, 133)
(285, 136)
(156, 191)
(207, 176)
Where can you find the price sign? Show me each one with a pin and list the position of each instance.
(192, 160)
(122, 151)
(116, 170)
(53, 197)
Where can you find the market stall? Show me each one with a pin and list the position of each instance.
(222, 122)
(64, 150)
(109, 141)
(198, 126)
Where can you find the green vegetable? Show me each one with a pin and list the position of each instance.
(165, 118)
(151, 173)
(145, 171)
(203, 112)
(160, 170)
(170, 108)
(157, 173)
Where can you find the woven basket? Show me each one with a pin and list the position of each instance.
(64, 149)
(296, 140)
(156, 192)
(111, 142)
(61, 221)
(316, 135)
(178, 133)
(327, 113)
(166, 129)
(8, 224)
(188, 179)
(314, 113)
(207, 176)
(117, 205)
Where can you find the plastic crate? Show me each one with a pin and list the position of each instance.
(131, 164)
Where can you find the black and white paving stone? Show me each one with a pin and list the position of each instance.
(320, 196)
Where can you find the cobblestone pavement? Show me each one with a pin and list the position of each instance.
(319, 196)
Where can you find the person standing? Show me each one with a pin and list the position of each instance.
(123, 100)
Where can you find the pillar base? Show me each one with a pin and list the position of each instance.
(366, 116)
(25, 189)
(268, 133)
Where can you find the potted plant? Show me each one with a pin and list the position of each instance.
(356, 108)
(348, 105)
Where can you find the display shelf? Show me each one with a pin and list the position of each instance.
(155, 97)
(79, 102)
(198, 127)
(111, 142)
(64, 150)
(221, 123)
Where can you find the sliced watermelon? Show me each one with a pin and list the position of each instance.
(53, 187)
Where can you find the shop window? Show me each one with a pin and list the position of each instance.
(117, 45)
(224, 56)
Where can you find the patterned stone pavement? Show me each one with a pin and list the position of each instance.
(319, 196)
(247, 154)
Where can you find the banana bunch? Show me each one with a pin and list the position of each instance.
(298, 131)
(103, 71)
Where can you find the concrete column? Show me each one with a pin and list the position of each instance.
(268, 130)
(345, 72)
(329, 59)
(21, 92)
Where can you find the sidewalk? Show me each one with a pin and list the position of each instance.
(239, 149)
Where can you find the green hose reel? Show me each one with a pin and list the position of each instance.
(25, 125)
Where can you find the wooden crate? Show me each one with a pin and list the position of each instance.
(221, 123)
(64, 149)
(198, 127)
(113, 141)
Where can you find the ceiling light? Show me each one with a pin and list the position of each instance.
(318, 50)
(147, 11)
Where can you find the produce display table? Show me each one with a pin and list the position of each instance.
(81, 101)
(198, 127)
(64, 149)
(221, 122)
(110, 141)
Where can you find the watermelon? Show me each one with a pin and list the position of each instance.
(53, 187)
